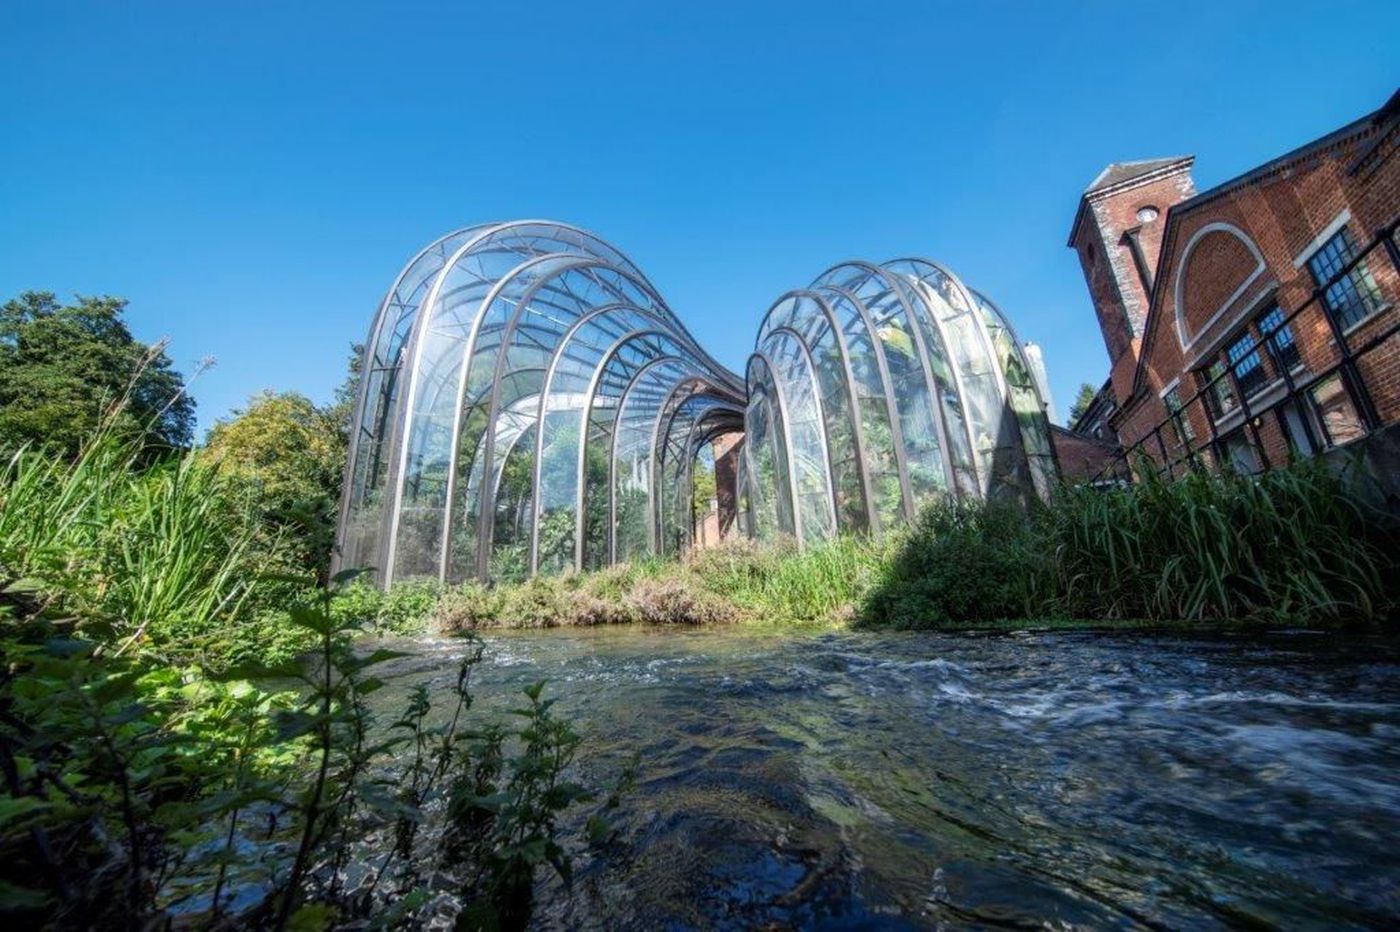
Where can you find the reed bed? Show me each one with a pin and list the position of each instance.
(165, 556)
(1290, 546)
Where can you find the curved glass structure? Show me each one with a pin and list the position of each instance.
(528, 403)
(521, 389)
(879, 387)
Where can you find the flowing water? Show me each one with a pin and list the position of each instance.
(1070, 780)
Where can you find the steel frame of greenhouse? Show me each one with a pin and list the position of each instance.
(528, 403)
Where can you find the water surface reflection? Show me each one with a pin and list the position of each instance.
(1073, 779)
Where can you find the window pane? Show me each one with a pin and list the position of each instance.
(1335, 410)
(1300, 435)
(1220, 398)
(1243, 357)
(1280, 337)
(1239, 452)
(1353, 297)
(1180, 423)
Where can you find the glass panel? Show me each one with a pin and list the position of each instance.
(766, 467)
(1280, 337)
(877, 435)
(812, 318)
(1023, 396)
(1336, 412)
(1243, 357)
(1353, 297)
(805, 433)
(994, 431)
(909, 375)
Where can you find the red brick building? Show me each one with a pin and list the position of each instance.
(1258, 320)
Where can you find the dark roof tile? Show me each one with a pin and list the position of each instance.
(1118, 172)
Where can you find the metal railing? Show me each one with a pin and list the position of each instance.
(1153, 451)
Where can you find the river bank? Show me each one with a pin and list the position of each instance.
(1288, 548)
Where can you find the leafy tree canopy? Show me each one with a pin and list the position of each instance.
(1082, 399)
(342, 409)
(63, 367)
(292, 454)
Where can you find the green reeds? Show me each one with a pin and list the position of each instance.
(165, 555)
(1290, 546)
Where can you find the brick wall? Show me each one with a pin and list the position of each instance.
(1081, 457)
(1115, 282)
(1274, 217)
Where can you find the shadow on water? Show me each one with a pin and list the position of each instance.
(852, 780)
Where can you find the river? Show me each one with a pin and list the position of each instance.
(851, 780)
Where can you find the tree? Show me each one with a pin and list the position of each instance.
(1082, 399)
(347, 394)
(291, 454)
(63, 368)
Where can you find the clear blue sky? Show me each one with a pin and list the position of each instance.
(252, 176)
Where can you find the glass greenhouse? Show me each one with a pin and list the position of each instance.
(528, 403)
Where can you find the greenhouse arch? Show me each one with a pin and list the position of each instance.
(529, 403)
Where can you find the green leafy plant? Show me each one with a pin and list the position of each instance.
(135, 792)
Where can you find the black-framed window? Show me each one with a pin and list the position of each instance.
(1180, 422)
(1221, 397)
(1243, 356)
(1280, 338)
(1240, 454)
(1353, 297)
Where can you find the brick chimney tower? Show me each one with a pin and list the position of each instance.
(1117, 233)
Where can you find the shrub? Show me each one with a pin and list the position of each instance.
(612, 583)
(407, 607)
(676, 600)
(1289, 546)
(358, 602)
(537, 602)
(961, 562)
(134, 787)
(466, 608)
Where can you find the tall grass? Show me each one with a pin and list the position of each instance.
(1290, 545)
(738, 581)
(1286, 547)
(168, 556)
(783, 583)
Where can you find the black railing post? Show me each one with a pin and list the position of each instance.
(1351, 376)
(1247, 419)
(1276, 357)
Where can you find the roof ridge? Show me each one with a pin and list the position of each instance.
(1118, 172)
